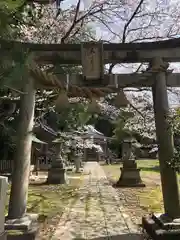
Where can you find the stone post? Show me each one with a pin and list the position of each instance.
(17, 218)
(170, 188)
(130, 174)
(164, 226)
(3, 190)
(22, 159)
(57, 172)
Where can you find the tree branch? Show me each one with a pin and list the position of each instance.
(125, 29)
(73, 23)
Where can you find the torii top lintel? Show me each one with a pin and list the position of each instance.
(169, 50)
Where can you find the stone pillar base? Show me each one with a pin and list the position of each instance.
(159, 226)
(3, 236)
(25, 228)
(56, 176)
(23, 223)
(130, 177)
(31, 234)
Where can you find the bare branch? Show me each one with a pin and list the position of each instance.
(73, 23)
(125, 29)
(130, 20)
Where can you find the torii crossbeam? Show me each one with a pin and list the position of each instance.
(169, 50)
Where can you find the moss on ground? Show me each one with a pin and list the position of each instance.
(49, 202)
(47, 199)
(151, 200)
(43, 198)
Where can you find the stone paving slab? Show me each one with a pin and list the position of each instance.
(98, 213)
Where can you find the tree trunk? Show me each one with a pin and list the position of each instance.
(22, 160)
(166, 147)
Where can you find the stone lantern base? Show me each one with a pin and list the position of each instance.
(130, 175)
(57, 174)
(159, 226)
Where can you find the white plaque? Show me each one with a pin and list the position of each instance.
(92, 60)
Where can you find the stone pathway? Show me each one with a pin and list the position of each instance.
(98, 213)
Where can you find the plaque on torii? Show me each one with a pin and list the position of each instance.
(92, 60)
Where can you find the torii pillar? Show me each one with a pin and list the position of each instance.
(157, 225)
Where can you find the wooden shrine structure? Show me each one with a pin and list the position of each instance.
(94, 83)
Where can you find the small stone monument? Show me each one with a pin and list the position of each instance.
(130, 174)
(57, 172)
(3, 190)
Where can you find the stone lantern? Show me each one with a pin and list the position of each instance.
(57, 174)
(130, 174)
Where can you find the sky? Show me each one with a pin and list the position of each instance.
(85, 4)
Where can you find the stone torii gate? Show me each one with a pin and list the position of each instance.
(92, 56)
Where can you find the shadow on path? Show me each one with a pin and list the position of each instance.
(128, 236)
(98, 213)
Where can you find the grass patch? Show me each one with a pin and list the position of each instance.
(146, 166)
(151, 200)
